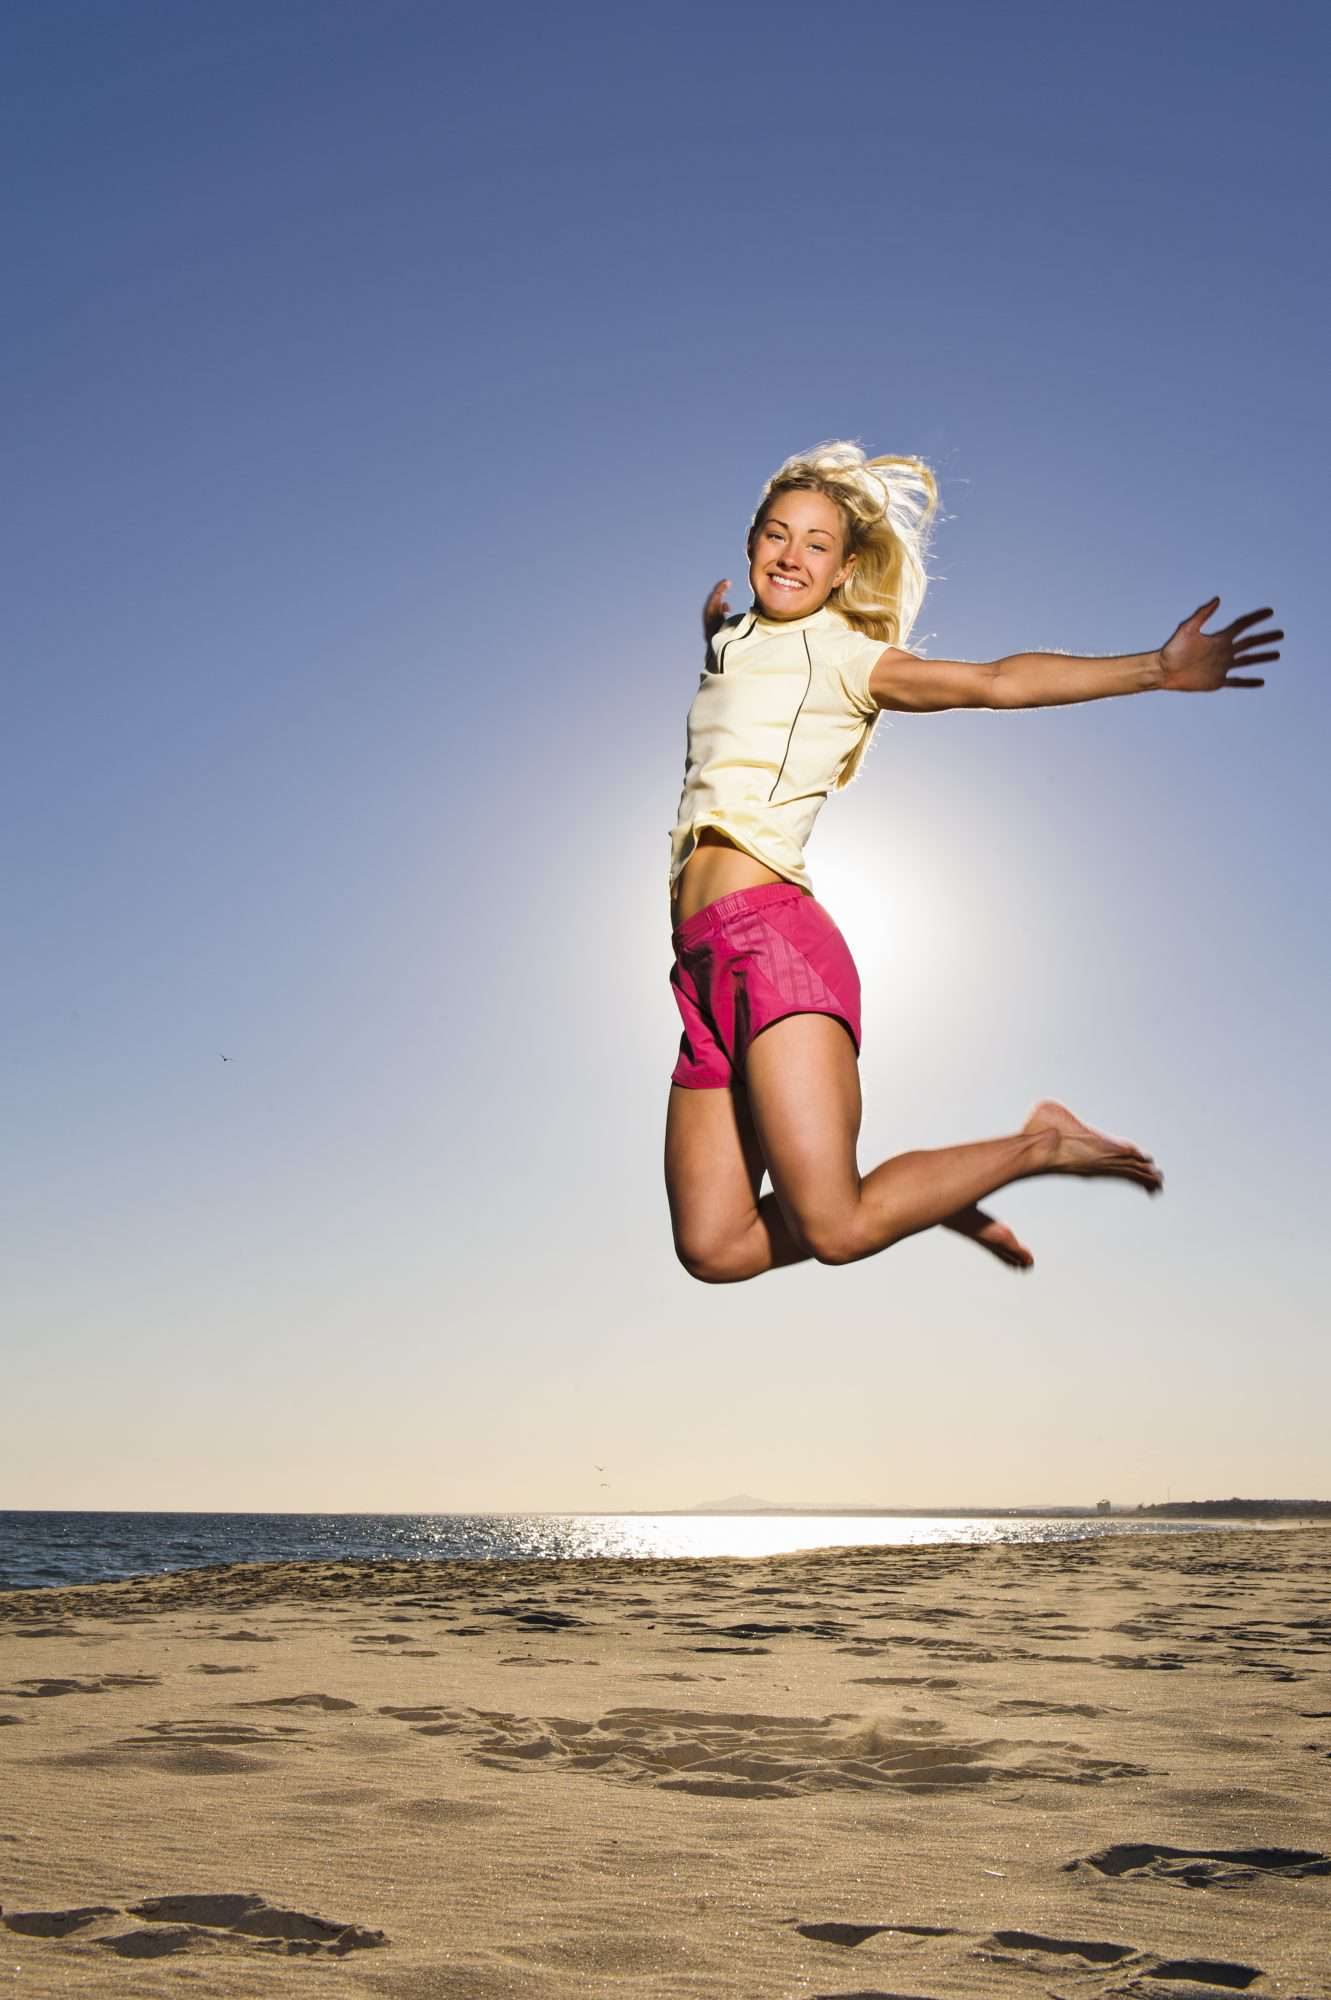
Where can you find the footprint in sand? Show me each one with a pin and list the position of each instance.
(749, 1756)
(1031, 1707)
(191, 1749)
(56, 1923)
(331, 1704)
(1095, 1951)
(1208, 1971)
(175, 1924)
(933, 1683)
(100, 1684)
(1033, 1949)
(534, 1618)
(1150, 1663)
(224, 1734)
(427, 1721)
(850, 1935)
(816, 1628)
(393, 1645)
(1203, 1867)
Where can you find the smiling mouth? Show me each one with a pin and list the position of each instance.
(785, 582)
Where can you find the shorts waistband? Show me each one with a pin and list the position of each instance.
(725, 907)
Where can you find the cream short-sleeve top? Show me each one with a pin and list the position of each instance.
(782, 716)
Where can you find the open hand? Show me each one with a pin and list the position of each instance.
(1197, 662)
(716, 611)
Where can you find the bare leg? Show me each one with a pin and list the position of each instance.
(804, 1103)
(805, 1098)
(978, 1226)
(725, 1228)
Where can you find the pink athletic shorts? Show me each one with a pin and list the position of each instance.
(746, 961)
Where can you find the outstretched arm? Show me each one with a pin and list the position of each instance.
(1191, 662)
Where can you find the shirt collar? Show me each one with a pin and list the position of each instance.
(824, 615)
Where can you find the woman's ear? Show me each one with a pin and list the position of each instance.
(844, 571)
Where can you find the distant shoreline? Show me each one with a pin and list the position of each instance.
(882, 1513)
(1178, 1510)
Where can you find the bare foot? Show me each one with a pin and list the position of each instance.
(990, 1234)
(1094, 1155)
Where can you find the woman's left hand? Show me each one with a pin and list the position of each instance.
(716, 610)
(1197, 662)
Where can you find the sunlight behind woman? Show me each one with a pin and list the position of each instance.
(908, 923)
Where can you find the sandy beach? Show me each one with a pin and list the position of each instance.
(898, 1774)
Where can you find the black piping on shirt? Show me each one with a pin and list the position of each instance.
(791, 737)
(721, 656)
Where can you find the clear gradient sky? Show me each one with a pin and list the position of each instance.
(386, 384)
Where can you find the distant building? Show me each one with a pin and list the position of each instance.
(1104, 1506)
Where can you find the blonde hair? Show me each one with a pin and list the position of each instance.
(888, 506)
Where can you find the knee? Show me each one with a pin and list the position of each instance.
(832, 1240)
(710, 1261)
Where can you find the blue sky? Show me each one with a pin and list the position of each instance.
(386, 385)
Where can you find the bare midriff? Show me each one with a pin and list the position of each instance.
(715, 868)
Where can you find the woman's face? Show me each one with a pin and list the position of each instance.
(797, 559)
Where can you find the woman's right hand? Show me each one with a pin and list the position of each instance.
(716, 611)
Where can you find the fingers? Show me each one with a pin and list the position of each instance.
(715, 609)
(1236, 625)
(1248, 618)
(1245, 656)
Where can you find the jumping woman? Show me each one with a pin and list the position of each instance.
(767, 1081)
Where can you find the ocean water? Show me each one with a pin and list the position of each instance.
(51, 1548)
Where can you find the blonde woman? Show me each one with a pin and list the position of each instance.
(767, 1080)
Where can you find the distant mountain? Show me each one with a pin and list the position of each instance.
(748, 1503)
